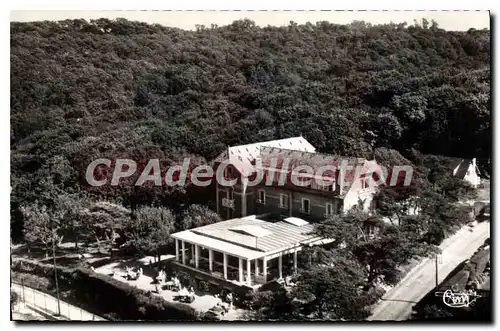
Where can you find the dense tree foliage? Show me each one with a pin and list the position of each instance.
(110, 88)
(83, 90)
(149, 228)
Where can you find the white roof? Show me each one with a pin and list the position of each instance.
(252, 230)
(218, 245)
(296, 221)
(242, 156)
(253, 239)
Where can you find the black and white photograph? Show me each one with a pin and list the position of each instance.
(250, 166)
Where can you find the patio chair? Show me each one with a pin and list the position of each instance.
(169, 285)
(189, 299)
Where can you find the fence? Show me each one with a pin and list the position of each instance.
(47, 305)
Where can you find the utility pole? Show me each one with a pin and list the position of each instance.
(24, 295)
(437, 277)
(55, 272)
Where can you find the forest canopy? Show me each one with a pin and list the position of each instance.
(82, 90)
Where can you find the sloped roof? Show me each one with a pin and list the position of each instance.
(242, 156)
(298, 152)
(296, 221)
(270, 236)
(251, 230)
(274, 158)
(219, 245)
(460, 166)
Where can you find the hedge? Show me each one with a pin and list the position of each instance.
(105, 296)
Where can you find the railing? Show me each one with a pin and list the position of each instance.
(47, 306)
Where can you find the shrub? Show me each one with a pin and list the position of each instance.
(203, 286)
(103, 295)
(14, 299)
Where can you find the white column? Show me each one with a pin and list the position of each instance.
(280, 264)
(295, 261)
(196, 256)
(256, 267)
(240, 270)
(225, 265)
(210, 259)
(264, 269)
(177, 250)
(183, 252)
(249, 273)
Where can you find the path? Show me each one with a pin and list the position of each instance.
(396, 304)
(47, 304)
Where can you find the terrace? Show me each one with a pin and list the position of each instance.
(244, 251)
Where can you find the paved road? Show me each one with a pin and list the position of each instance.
(396, 305)
(48, 304)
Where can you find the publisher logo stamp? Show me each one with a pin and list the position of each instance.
(458, 299)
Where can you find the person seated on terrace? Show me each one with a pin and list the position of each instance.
(177, 284)
(183, 292)
(229, 298)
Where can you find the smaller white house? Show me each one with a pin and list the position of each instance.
(467, 170)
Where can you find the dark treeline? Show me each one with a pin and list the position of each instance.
(84, 90)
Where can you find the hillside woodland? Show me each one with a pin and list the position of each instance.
(82, 90)
(402, 94)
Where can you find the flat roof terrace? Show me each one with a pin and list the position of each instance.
(249, 237)
(248, 243)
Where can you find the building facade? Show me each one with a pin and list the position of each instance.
(277, 194)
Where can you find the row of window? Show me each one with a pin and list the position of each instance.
(305, 203)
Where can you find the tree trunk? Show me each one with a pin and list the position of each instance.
(371, 275)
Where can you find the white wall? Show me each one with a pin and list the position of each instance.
(352, 197)
(472, 176)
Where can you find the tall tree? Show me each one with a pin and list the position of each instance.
(198, 215)
(149, 229)
(41, 226)
(333, 291)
